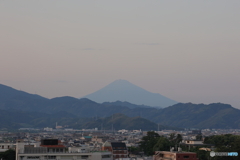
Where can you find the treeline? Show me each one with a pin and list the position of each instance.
(225, 143)
(154, 142)
(222, 143)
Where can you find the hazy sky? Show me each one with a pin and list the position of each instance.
(186, 50)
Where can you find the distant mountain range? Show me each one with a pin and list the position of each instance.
(122, 90)
(30, 107)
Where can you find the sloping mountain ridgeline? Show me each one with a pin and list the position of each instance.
(12, 119)
(181, 115)
(15, 120)
(122, 90)
(11, 98)
(120, 121)
(126, 104)
(188, 115)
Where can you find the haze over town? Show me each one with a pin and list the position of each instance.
(185, 50)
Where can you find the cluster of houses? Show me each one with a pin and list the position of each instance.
(91, 145)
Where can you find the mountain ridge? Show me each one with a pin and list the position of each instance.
(8, 92)
(126, 104)
(122, 90)
(183, 115)
(41, 120)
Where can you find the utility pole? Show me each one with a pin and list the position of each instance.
(112, 123)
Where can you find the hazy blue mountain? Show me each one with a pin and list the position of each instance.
(126, 104)
(11, 98)
(7, 92)
(122, 90)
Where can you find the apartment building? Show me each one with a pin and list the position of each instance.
(118, 149)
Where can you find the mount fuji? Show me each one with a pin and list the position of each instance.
(122, 90)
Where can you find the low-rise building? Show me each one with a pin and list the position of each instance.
(174, 155)
(118, 149)
(52, 149)
(6, 146)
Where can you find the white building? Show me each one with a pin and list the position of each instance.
(53, 150)
(6, 146)
(48, 129)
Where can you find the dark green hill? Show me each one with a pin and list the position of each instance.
(22, 119)
(16, 120)
(216, 115)
(120, 121)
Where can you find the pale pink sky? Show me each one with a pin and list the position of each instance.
(186, 50)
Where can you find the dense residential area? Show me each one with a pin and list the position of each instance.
(63, 144)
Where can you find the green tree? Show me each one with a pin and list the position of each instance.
(163, 144)
(199, 137)
(148, 142)
(203, 155)
(175, 139)
(172, 136)
(8, 155)
(134, 150)
(178, 138)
